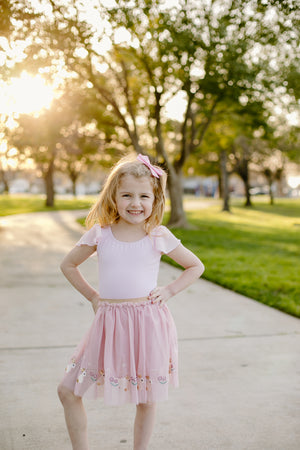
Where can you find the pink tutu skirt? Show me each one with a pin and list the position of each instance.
(129, 355)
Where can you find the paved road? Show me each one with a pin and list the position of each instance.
(239, 360)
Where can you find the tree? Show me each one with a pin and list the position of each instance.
(5, 172)
(66, 137)
(200, 50)
(62, 138)
(39, 136)
(249, 122)
(79, 148)
(270, 161)
(229, 144)
(271, 177)
(193, 51)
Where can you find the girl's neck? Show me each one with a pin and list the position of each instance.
(128, 232)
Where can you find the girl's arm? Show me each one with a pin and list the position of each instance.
(69, 268)
(193, 270)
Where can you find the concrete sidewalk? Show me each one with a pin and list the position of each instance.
(239, 360)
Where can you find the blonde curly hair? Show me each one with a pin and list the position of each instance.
(104, 211)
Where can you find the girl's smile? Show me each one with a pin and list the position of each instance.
(134, 199)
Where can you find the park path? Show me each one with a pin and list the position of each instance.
(239, 360)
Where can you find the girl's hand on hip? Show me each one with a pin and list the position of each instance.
(159, 295)
(95, 301)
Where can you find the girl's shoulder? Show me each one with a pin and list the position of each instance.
(93, 236)
(164, 239)
(159, 231)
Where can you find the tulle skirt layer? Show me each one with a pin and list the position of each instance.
(129, 355)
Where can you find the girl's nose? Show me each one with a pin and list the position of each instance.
(135, 201)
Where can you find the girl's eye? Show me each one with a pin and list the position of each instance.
(145, 196)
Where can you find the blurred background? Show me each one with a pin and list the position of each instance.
(209, 89)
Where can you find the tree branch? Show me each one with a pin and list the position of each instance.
(204, 125)
(185, 147)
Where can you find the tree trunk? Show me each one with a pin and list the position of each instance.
(270, 178)
(220, 184)
(4, 181)
(278, 177)
(225, 181)
(177, 217)
(74, 188)
(49, 183)
(74, 178)
(242, 169)
(271, 192)
(247, 192)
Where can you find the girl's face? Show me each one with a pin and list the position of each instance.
(134, 199)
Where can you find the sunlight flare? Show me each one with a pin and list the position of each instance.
(26, 94)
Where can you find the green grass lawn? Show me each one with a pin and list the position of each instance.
(254, 251)
(18, 204)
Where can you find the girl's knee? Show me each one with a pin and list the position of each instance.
(146, 406)
(65, 395)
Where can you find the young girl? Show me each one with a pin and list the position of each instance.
(129, 354)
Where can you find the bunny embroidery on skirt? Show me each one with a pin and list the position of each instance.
(81, 376)
(71, 365)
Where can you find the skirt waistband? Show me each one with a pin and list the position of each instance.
(125, 303)
(125, 300)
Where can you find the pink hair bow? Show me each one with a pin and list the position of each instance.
(155, 171)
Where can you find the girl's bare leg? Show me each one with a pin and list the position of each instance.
(75, 416)
(143, 425)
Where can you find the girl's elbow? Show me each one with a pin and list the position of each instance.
(201, 268)
(62, 266)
